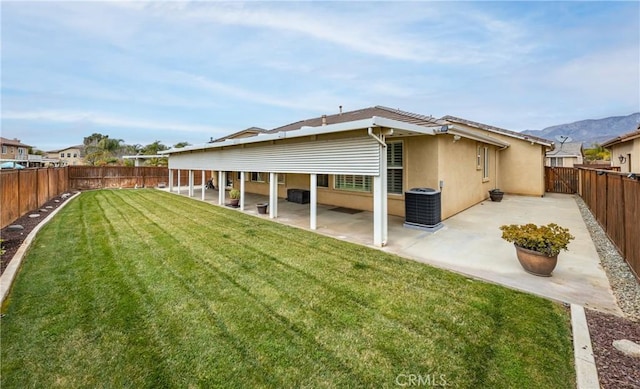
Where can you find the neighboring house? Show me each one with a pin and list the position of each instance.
(70, 156)
(565, 155)
(367, 159)
(14, 151)
(251, 131)
(625, 151)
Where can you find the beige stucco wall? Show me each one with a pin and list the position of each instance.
(520, 167)
(68, 161)
(632, 164)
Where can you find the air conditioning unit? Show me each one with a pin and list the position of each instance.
(422, 207)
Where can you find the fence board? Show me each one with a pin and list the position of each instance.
(96, 177)
(27, 188)
(42, 191)
(614, 200)
(9, 197)
(631, 189)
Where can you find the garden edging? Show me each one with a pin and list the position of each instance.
(7, 277)
(586, 372)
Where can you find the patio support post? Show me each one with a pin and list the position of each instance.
(170, 180)
(380, 218)
(313, 201)
(191, 183)
(242, 191)
(178, 181)
(273, 195)
(203, 187)
(222, 184)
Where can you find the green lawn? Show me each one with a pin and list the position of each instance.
(147, 289)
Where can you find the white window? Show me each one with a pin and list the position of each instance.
(258, 177)
(20, 150)
(485, 165)
(555, 161)
(61, 155)
(323, 180)
(478, 158)
(281, 178)
(394, 167)
(4, 149)
(352, 182)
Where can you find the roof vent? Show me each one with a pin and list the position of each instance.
(340, 109)
(324, 120)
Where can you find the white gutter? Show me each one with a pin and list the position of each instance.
(457, 130)
(372, 122)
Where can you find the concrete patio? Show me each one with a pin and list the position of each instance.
(470, 243)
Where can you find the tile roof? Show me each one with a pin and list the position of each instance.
(12, 142)
(566, 150)
(364, 113)
(498, 130)
(622, 138)
(250, 130)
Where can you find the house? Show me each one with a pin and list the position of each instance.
(565, 155)
(367, 159)
(14, 151)
(70, 156)
(625, 151)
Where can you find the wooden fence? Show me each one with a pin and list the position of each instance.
(100, 177)
(24, 190)
(614, 200)
(561, 179)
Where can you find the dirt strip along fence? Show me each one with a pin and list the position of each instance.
(27, 189)
(614, 200)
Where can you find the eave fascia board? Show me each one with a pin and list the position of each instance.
(463, 132)
(372, 122)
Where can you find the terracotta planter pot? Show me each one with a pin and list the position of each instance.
(234, 202)
(536, 263)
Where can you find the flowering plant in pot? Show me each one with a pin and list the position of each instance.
(234, 195)
(537, 247)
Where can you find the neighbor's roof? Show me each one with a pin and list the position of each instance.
(79, 147)
(622, 138)
(12, 142)
(365, 113)
(251, 131)
(498, 130)
(573, 149)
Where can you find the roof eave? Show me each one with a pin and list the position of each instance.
(373, 122)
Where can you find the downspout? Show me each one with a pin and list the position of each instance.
(376, 137)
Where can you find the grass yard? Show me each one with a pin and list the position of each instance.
(141, 288)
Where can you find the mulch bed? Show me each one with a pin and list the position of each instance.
(615, 370)
(12, 239)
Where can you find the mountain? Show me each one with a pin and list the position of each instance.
(592, 130)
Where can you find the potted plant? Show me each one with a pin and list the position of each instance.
(496, 195)
(234, 195)
(537, 247)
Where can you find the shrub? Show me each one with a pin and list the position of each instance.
(548, 240)
(234, 194)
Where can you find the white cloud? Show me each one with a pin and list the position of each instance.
(61, 116)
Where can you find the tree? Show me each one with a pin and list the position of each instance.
(597, 153)
(180, 145)
(153, 149)
(102, 150)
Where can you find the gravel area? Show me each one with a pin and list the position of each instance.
(625, 286)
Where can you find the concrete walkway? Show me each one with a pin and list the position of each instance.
(471, 243)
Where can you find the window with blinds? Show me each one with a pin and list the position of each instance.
(394, 167)
(352, 182)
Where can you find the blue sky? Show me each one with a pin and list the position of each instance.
(189, 71)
